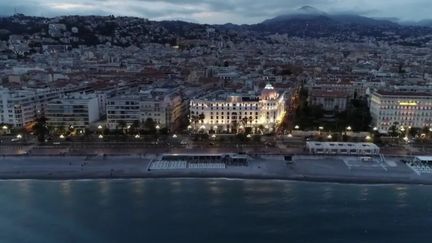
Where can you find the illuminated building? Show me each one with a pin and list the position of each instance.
(227, 113)
(406, 109)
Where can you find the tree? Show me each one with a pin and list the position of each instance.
(134, 128)
(40, 129)
(150, 125)
(201, 117)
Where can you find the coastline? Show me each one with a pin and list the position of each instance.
(329, 169)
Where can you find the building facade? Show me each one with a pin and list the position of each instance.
(227, 113)
(78, 111)
(329, 100)
(20, 108)
(406, 109)
(165, 107)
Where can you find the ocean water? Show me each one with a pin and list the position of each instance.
(207, 210)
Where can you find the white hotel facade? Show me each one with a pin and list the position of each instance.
(226, 113)
(407, 109)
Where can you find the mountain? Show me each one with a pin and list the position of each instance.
(311, 22)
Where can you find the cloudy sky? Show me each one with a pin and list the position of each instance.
(216, 11)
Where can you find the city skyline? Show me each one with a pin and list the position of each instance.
(216, 12)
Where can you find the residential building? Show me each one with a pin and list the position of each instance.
(165, 107)
(19, 108)
(76, 110)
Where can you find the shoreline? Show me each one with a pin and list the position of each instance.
(328, 169)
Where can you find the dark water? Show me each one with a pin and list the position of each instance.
(186, 210)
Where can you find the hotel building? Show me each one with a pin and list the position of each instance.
(407, 109)
(227, 113)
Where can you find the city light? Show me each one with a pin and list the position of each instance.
(402, 129)
(213, 136)
(290, 135)
(157, 127)
(349, 128)
(375, 129)
(297, 127)
(189, 127)
(19, 136)
(321, 128)
(174, 136)
(368, 138)
(405, 139)
(137, 136)
(101, 136)
(248, 136)
(329, 136)
(4, 127)
(99, 127)
(61, 136)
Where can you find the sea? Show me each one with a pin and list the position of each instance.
(212, 210)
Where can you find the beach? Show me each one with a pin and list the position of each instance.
(342, 169)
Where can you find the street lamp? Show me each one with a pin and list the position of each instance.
(290, 135)
(402, 129)
(174, 136)
(349, 128)
(4, 127)
(99, 127)
(368, 138)
(101, 136)
(137, 136)
(375, 129)
(213, 136)
(297, 127)
(321, 128)
(19, 136)
(157, 127)
(61, 136)
(248, 136)
(405, 139)
(329, 136)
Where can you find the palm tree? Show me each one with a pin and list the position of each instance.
(40, 128)
(121, 125)
(201, 117)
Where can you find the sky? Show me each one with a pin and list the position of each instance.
(216, 11)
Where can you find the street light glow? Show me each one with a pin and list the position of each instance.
(100, 127)
(137, 136)
(4, 127)
(100, 136)
(297, 127)
(349, 128)
(19, 136)
(321, 128)
(157, 127)
(61, 136)
(174, 136)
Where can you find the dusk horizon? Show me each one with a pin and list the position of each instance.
(213, 12)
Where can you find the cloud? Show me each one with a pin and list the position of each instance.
(215, 11)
